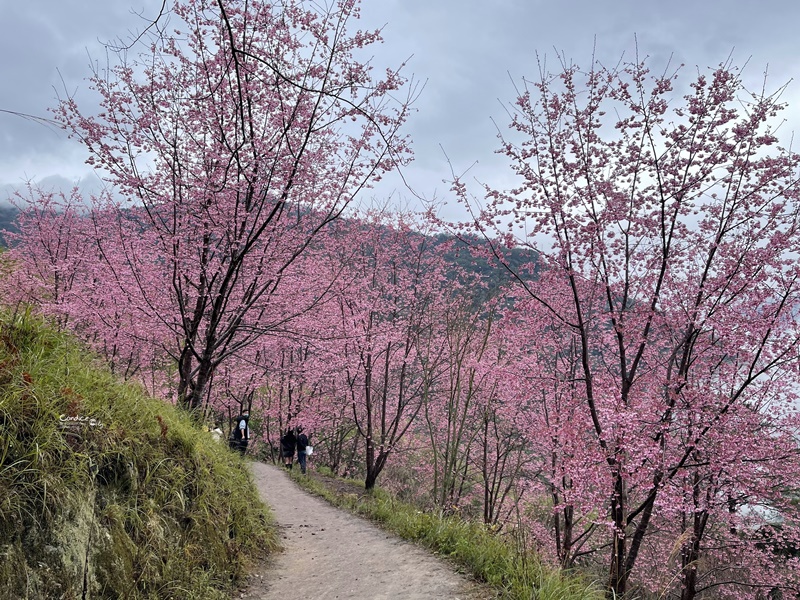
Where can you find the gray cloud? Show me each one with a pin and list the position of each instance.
(468, 51)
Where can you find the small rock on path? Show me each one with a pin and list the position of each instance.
(332, 554)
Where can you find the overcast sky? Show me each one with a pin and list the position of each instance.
(467, 52)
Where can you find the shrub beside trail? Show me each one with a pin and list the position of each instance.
(106, 493)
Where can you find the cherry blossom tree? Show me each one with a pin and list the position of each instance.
(55, 251)
(236, 134)
(58, 267)
(387, 300)
(543, 375)
(452, 412)
(670, 227)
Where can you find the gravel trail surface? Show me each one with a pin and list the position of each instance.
(332, 554)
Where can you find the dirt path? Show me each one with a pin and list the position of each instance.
(331, 554)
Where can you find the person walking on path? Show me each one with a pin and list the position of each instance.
(302, 443)
(288, 444)
(241, 432)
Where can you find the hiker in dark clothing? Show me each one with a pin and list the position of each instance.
(241, 432)
(302, 442)
(288, 444)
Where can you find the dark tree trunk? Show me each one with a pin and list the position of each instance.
(618, 574)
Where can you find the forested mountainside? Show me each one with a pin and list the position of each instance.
(458, 254)
(7, 216)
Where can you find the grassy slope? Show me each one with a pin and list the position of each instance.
(143, 506)
(487, 557)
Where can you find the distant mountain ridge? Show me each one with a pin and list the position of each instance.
(458, 255)
(8, 216)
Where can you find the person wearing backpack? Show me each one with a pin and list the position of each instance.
(302, 443)
(241, 432)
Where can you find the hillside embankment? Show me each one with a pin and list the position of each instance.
(106, 493)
